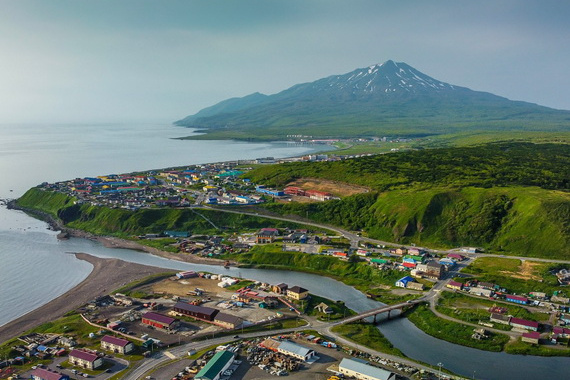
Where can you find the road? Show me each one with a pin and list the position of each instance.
(355, 238)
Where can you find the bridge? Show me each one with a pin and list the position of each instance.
(380, 310)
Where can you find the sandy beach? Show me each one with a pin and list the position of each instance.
(107, 275)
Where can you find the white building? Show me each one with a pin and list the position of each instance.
(362, 370)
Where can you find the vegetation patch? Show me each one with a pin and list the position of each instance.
(515, 275)
(453, 332)
(367, 335)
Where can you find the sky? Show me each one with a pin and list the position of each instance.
(70, 61)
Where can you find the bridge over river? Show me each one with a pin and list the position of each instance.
(380, 310)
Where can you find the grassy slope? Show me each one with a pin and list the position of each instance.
(504, 197)
(125, 223)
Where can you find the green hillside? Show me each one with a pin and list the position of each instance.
(124, 223)
(511, 198)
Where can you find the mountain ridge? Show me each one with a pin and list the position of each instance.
(380, 98)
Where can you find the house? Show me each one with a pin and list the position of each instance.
(516, 299)
(116, 345)
(500, 318)
(227, 321)
(531, 337)
(46, 374)
(456, 257)
(524, 324)
(480, 291)
(403, 282)
(415, 285)
(324, 308)
(213, 370)
(266, 235)
(194, 311)
(159, 321)
(454, 285)
(85, 359)
(296, 350)
(434, 270)
(361, 369)
(280, 288)
(297, 293)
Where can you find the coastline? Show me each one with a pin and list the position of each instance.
(106, 275)
(110, 241)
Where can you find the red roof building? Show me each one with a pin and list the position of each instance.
(158, 320)
(85, 359)
(117, 345)
(523, 323)
(45, 374)
(531, 337)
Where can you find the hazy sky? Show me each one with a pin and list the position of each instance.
(113, 60)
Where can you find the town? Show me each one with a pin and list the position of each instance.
(224, 327)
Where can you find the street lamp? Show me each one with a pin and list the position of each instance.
(440, 364)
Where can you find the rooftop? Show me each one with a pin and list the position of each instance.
(363, 367)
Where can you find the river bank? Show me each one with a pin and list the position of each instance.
(107, 275)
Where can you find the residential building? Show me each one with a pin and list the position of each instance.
(266, 235)
(361, 369)
(415, 285)
(116, 345)
(159, 321)
(480, 291)
(280, 288)
(297, 293)
(403, 282)
(85, 359)
(454, 285)
(213, 370)
(46, 374)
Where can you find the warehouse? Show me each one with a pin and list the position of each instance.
(216, 366)
(361, 369)
(159, 321)
(194, 311)
(297, 351)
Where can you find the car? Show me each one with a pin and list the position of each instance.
(236, 336)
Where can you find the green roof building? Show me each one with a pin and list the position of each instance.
(218, 364)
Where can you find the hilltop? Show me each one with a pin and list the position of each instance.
(391, 98)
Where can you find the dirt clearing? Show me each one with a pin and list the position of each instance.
(336, 188)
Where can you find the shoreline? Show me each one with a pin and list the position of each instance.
(106, 275)
(111, 241)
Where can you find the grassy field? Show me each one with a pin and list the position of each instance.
(517, 276)
(367, 335)
(453, 332)
(473, 310)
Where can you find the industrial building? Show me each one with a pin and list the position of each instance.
(361, 369)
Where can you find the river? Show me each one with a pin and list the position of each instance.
(36, 267)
